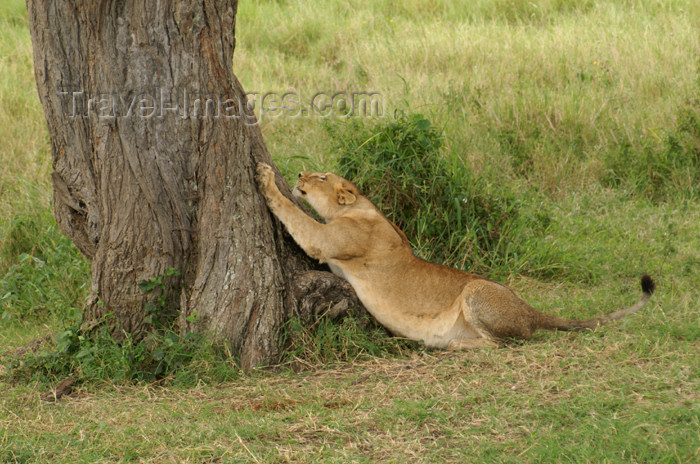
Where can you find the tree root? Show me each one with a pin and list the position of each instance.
(324, 294)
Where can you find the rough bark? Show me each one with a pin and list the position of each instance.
(145, 179)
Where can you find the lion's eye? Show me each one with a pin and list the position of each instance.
(322, 178)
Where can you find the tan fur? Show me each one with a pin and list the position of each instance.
(413, 298)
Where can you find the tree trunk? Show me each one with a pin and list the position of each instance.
(154, 151)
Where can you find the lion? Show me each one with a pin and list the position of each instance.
(446, 308)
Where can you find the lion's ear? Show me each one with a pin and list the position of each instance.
(344, 194)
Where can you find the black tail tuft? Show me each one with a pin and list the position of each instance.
(648, 285)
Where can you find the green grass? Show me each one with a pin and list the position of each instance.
(555, 402)
(44, 276)
(579, 119)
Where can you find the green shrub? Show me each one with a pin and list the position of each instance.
(96, 356)
(449, 215)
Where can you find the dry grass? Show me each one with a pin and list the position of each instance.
(567, 81)
(505, 404)
(24, 153)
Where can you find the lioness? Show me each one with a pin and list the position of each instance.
(413, 298)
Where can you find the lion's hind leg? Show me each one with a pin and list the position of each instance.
(495, 312)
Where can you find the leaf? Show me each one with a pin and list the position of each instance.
(147, 286)
(86, 354)
(150, 308)
(158, 354)
(423, 124)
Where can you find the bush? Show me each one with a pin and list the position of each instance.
(449, 215)
(163, 353)
(96, 356)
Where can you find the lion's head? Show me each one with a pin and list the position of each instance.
(328, 193)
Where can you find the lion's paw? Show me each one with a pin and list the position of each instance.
(264, 174)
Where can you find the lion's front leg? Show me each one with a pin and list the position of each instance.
(303, 229)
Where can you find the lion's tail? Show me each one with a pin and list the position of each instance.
(549, 322)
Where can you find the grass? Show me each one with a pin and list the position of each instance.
(556, 403)
(546, 100)
(44, 276)
(580, 118)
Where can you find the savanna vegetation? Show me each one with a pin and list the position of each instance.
(553, 145)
